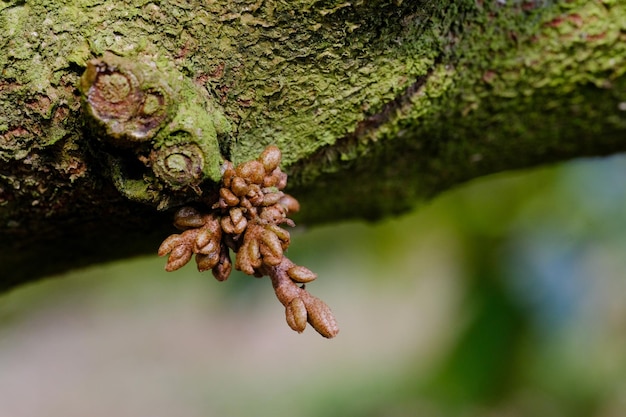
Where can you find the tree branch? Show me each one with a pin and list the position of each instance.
(376, 106)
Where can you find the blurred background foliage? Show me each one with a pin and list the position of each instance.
(505, 297)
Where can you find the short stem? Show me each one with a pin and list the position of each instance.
(286, 290)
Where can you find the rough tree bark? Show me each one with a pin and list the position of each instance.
(376, 105)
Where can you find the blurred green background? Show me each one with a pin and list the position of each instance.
(505, 297)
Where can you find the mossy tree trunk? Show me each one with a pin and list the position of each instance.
(375, 104)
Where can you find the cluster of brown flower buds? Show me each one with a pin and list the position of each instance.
(246, 219)
(202, 236)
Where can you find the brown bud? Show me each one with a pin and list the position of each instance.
(281, 182)
(228, 197)
(211, 246)
(239, 186)
(244, 203)
(272, 198)
(252, 171)
(188, 218)
(169, 244)
(179, 256)
(282, 234)
(241, 226)
(289, 203)
(221, 271)
(208, 261)
(236, 215)
(273, 244)
(273, 214)
(296, 314)
(242, 262)
(321, 318)
(212, 223)
(238, 220)
(203, 237)
(301, 274)
(254, 252)
(255, 195)
(227, 225)
(269, 258)
(270, 158)
(272, 179)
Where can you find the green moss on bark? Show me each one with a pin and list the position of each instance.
(519, 87)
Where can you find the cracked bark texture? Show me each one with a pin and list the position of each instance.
(375, 105)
